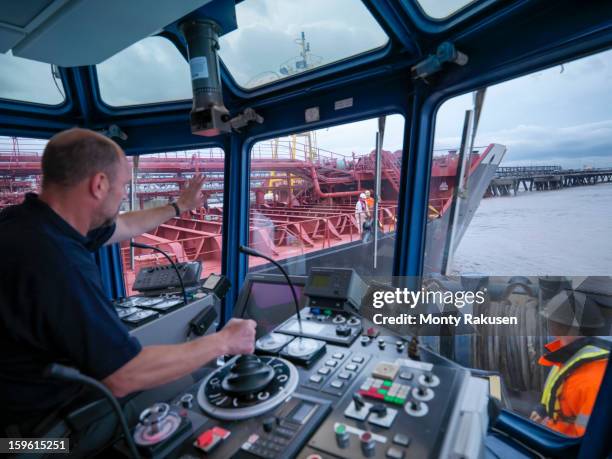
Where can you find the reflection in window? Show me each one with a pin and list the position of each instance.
(24, 80)
(542, 210)
(150, 71)
(313, 200)
(277, 38)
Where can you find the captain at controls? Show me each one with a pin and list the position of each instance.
(52, 304)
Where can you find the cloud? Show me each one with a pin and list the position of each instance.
(529, 143)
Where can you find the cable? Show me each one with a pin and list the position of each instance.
(254, 253)
(178, 274)
(55, 370)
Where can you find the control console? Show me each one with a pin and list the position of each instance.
(314, 393)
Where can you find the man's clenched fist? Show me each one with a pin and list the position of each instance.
(239, 336)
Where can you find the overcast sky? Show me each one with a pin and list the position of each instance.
(558, 116)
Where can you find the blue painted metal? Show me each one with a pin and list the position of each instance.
(533, 435)
(394, 20)
(235, 218)
(108, 258)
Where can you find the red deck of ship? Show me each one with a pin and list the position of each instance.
(298, 206)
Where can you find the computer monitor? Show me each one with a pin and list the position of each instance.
(267, 299)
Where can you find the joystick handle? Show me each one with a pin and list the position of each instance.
(379, 409)
(358, 400)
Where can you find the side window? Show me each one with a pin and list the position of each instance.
(524, 207)
(158, 178)
(20, 171)
(314, 199)
(194, 236)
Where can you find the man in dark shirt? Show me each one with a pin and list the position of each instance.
(52, 304)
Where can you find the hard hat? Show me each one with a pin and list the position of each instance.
(362, 196)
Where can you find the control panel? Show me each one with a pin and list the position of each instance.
(296, 398)
(311, 392)
(164, 276)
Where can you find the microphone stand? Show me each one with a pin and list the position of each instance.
(178, 274)
(255, 253)
(57, 371)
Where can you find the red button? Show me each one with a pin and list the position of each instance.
(205, 439)
(220, 432)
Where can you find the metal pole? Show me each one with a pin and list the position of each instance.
(379, 142)
(459, 190)
(133, 201)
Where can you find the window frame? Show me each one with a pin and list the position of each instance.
(39, 108)
(547, 441)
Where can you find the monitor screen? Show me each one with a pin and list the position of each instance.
(270, 304)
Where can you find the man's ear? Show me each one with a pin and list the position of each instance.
(99, 185)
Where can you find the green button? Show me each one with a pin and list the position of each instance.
(340, 428)
(327, 312)
(382, 391)
(399, 401)
(388, 398)
(387, 383)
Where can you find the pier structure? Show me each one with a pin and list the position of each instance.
(509, 180)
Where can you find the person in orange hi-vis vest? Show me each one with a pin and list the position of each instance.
(577, 365)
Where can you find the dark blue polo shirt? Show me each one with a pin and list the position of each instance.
(52, 309)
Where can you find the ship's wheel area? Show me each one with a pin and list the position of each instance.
(247, 386)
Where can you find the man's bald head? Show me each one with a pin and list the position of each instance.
(76, 154)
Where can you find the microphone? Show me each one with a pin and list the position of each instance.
(145, 246)
(254, 253)
(57, 371)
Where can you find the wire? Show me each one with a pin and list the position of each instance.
(54, 78)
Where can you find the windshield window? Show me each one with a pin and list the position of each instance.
(278, 38)
(24, 80)
(150, 71)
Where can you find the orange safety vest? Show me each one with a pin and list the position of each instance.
(573, 382)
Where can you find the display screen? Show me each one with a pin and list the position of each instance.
(320, 281)
(270, 305)
(211, 282)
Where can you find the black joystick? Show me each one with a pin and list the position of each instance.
(421, 391)
(379, 409)
(358, 400)
(248, 376)
(414, 405)
(428, 378)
